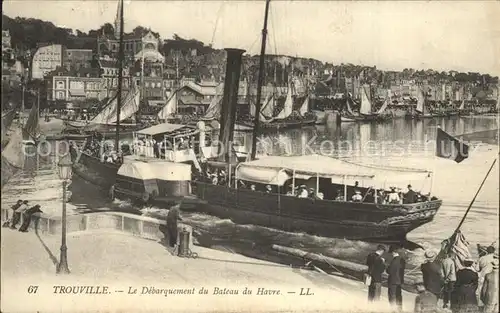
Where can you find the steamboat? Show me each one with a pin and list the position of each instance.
(261, 191)
(333, 214)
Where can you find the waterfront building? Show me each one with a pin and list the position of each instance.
(108, 71)
(75, 85)
(132, 45)
(195, 97)
(45, 60)
(77, 58)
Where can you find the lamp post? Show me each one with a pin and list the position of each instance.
(65, 172)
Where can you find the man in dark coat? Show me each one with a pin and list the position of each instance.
(411, 196)
(396, 271)
(12, 212)
(27, 217)
(172, 217)
(431, 274)
(376, 266)
(18, 213)
(464, 298)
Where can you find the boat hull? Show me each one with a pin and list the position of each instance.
(338, 219)
(93, 170)
(276, 125)
(362, 118)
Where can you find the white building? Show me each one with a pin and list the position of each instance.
(46, 60)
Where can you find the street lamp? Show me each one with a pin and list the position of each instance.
(65, 173)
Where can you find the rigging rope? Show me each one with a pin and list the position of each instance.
(216, 23)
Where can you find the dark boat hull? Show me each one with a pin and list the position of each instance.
(285, 124)
(93, 170)
(354, 221)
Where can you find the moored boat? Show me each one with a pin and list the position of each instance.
(275, 206)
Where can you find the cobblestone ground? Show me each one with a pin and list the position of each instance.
(120, 262)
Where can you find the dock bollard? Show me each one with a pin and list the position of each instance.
(184, 240)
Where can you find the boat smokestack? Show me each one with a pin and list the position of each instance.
(229, 102)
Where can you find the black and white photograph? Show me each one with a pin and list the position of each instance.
(250, 156)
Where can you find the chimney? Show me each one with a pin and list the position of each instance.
(229, 102)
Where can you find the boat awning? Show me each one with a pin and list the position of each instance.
(261, 175)
(339, 171)
(171, 171)
(161, 129)
(137, 170)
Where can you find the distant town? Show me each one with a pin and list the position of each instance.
(69, 68)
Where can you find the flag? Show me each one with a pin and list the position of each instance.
(449, 147)
(459, 248)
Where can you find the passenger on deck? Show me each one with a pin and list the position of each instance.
(252, 187)
(357, 197)
(312, 193)
(290, 191)
(411, 196)
(393, 196)
(320, 195)
(381, 197)
(303, 193)
(222, 177)
(340, 195)
(214, 179)
(269, 189)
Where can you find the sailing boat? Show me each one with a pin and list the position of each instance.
(420, 109)
(169, 109)
(365, 111)
(89, 161)
(31, 130)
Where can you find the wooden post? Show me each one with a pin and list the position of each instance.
(432, 183)
(293, 183)
(317, 183)
(345, 188)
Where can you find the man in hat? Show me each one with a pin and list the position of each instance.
(11, 221)
(19, 214)
(431, 273)
(411, 196)
(489, 291)
(425, 301)
(173, 216)
(396, 271)
(464, 296)
(484, 264)
(376, 266)
(448, 275)
(357, 197)
(393, 196)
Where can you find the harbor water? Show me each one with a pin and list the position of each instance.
(403, 143)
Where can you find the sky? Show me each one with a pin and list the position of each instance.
(442, 35)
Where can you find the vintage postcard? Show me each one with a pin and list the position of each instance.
(250, 156)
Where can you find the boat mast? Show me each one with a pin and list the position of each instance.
(258, 103)
(120, 78)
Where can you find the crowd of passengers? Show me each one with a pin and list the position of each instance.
(102, 150)
(336, 192)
